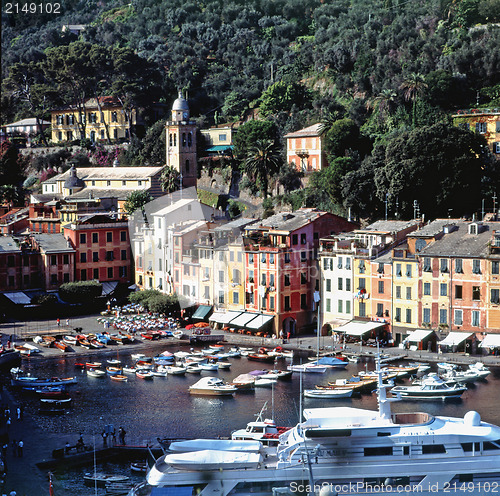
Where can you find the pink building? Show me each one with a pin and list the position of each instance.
(304, 149)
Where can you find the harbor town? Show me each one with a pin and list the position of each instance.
(250, 248)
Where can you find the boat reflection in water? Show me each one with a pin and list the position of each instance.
(352, 451)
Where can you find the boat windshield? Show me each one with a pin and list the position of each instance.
(412, 418)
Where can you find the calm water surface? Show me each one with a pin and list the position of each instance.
(164, 408)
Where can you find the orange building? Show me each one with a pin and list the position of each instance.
(304, 149)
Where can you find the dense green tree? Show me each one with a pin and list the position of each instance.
(280, 97)
(413, 85)
(136, 200)
(249, 133)
(170, 179)
(290, 177)
(80, 291)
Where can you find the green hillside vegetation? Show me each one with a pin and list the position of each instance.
(372, 71)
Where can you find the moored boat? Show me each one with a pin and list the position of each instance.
(113, 370)
(95, 373)
(61, 345)
(212, 386)
(102, 479)
(431, 387)
(336, 393)
(118, 378)
(144, 374)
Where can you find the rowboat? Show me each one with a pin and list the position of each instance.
(129, 370)
(113, 370)
(144, 374)
(71, 340)
(92, 365)
(102, 479)
(95, 373)
(61, 345)
(138, 466)
(114, 362)
(118, 377)
(328, 393)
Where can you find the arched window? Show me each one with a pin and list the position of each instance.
(187, 165)
(170, 139)
(190, 139)
(183, 139)
(175, 139)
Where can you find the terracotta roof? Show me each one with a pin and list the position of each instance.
(307, 131)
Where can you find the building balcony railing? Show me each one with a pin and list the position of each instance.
(474, 111)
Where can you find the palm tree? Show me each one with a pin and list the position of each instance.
(170, 179)
(413, 85)
(262, 163)
(384, 102)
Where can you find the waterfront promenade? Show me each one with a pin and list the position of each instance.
(23, 474)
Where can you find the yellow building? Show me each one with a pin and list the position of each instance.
(98, 121)
(483, 121)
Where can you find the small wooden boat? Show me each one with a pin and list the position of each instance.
(70, 340)
(261, 357)
(173, 370)
(27, 349)
(96, 344)
(92, 365)
(47, 341)
(56, 401)
(193, 369)
(56, 392)
(95, 373)
(114, 362)
(118, 377)
(102, 479)
(139, 467)
(113, 370)
(129, 370)
(144, 374)
(328, 393)
(61, 345)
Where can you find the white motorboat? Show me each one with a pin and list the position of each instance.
(463, 376)
(193, 368)
(223, 364)
(129, 370)
(480, 369)
(210, 366)
(261, 381)
(447, 366)
(212, 386)
(347, 447)
(421, 367)
(308, 368)
(96, 373)
(430, 387)
(160, 371)
(173, 370)
(102, 479)
(335, 393)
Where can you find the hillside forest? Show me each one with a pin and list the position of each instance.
(383, 77)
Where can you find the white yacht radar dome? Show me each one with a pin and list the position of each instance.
(472, 418)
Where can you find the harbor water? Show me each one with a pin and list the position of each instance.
(163, 407)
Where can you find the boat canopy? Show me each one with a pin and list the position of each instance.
(215, 444)
(330, 361)
(491, 341)
(455, 338)
(202, 312)
(358, 328)
(19, 298)
(418, 335)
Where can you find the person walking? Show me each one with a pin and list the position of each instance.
(58, 322)
(104, 439)
(18, 412)
(20, 446)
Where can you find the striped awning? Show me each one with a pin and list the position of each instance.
(224, 317)
(455, 338)
(491, 341)
(418, 335)
(359, 328)
(260, 321)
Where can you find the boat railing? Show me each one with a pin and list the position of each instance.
(412, 418)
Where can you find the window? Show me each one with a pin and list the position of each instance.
(109, 237)
(328, 285)
(287, 279)
(95, 256)
(303, 301)
(231, 256)
(83, 275)
(340, 285)
(109, 255)
(250, 259)
(236, 297)
(362, 309)
(271, 258)
(458, 292)
(271, 280)
(122, 272)
(236, 275)
(159, 264)
(123, 235)
(427, 288)
(287, 257)
(348, 264)
(481, 127)
(263, 279)
(287, 303)
(476, 293)
(66, 277)
(110, 272)
(303, 239)
(221, 297)
(303, 278)
(114, 117)
(426, 316)
(221, 275)
(176, 276)
(459, 266)
(339, 262)
(381, 287)
(206, 293)
(328, 305)
(397, 317)
(408, 293)
(361, 266)
(271, 303)
(443, 316)
(65, 259)
(221, 256)
(496, 145)
(348, 285)
(495, 296)
(263, 258)
(443, 265)
(263, 303)
(95, 274)
(95, 237)
(222, 137)
(362, 283)
(250, 276)
(295, 239)
(398, 270)
(380, 309)
(83, 238)
(398, 292)
(240, 256)
(408, 315)
(427, 267)
(458, 318)
(347, 306)
(476, 266)
(475, 318)
(83, 257)
(124, 254)
(340, 306)
(408, 270)
(495, 268)
(303, 256)
(443, 289)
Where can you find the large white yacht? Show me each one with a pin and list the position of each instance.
(341, 451)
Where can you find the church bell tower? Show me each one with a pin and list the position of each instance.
(181, 142)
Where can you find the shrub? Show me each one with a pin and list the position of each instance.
(81, 291)
(46, 299)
